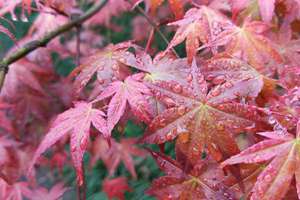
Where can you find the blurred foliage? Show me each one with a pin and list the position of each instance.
(146, 168)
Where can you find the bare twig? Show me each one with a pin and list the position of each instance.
(31, 46)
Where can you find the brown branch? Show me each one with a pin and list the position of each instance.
(31, 46)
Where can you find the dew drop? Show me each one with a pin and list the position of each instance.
(122, 60)
(100, 81)
(79, 180)
(162, 122)
(169, 136)
(252, 126)
(228, 85)
(13, 17)
(220, 126)
(114, 67)
(226, 194)
(24, 18)
(210, 77)
(100, 68)
(177, 88)
(158, 94)
(216, 92)
(170, 102)
(190, 78)
(219, 79)
(272, 120)
(181, 110)
(256, 158)
(244, 68)
(268, 177)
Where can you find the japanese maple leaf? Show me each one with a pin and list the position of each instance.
(286, 109)
(289, 48)
(201, 118)
(131, 91)
(201, 25)
(57, 161)
(282, 148)
(55, 193)
(289, 76)
(175, 5)
(112, 8)
(75, 122)
(115, 188)
(107, 64)
(160, 68)
(117, 152)
(248, 178)
(46, 22)
(15, 191)
(20, 74)
(203, 182)
(249, 43)
(222, 68)
(6, 142)
(10, 5)
(266, 7)
(31, 106)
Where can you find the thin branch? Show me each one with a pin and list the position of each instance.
(31, 46)
(154, 25)
(78, 30)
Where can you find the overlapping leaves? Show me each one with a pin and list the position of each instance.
(203, 120)
(282, 148)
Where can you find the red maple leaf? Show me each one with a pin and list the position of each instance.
(198, 26)
(15, 191)
(266, 8)
(202, 119)
(117, 152)
(282, 148)
(75, 122)
(203, 182)
(249, 43)
(23, 73)
(55, 193)
(108, 63)
(177, 6)
(115, 188)
(131, 91)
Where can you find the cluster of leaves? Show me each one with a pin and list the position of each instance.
(231, 105)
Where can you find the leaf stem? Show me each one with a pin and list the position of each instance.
(154, 25)
(81, 189)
